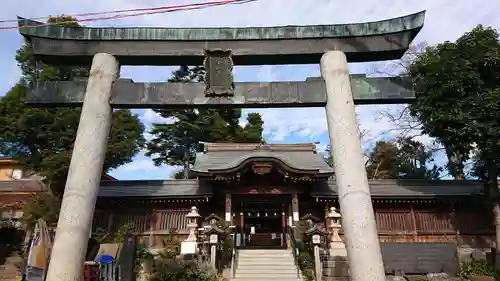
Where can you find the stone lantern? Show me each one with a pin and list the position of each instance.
(189, 246)
(337, 263)
(192, 225)
(337, 246)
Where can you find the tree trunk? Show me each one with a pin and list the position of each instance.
(455, 164)
(494, 195)
(496, 213)
(186, 163)
(186, 170)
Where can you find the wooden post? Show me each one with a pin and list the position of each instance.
(288, 242)
(283, 230)
(111, 220)
(326, 211)
(413, 223)
(152, 227)
(228, 213)
(158, 224)
(242, 229)
(295, 208)
(454, 221)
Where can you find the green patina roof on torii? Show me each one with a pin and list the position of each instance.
(225, 157)
(361, 42)
(388, 26)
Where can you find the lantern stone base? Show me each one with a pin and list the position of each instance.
(336, 265)
(188, 247)
(337, 249)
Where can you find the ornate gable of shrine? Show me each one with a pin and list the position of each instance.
(230, 158)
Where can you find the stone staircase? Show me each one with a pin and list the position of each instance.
(257, 265)
(9, 270)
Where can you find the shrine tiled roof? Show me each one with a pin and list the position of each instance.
(230, 157)
(405, 188)
(190, 188)
(383, 189)
(23, 185)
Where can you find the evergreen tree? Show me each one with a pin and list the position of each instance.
(403, 158)
(42, 139)
(415, 161)
(383, 161)
(457, 100)
(176, 142)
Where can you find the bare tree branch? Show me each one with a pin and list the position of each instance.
(399, 67)
(405, 125)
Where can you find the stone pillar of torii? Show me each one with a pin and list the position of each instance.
(82, 185)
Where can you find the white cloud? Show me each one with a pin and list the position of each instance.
(143, 168)
(304, 122)
(149, 116)
(266, 73)
(311, 122)
(144, 165)
(321, 148)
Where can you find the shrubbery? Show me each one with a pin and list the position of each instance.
(171, 270)
(305, 249)
(477, 268)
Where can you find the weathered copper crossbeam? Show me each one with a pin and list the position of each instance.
(309, 93)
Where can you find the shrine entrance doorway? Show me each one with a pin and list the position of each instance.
(262, 220)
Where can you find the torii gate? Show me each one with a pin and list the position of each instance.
(330, 45)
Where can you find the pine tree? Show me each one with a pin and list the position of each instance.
(176, 142)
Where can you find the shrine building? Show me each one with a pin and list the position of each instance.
(262, 189)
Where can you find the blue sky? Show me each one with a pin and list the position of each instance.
(445, 20)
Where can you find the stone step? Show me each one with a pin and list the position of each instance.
(283, 254)
(266, 250)
(266, 270)
(8, 277)
(276, 262)
(8, 270)
(265, 266)
(276, 279)
(267, 276)
(265, 257)
(262, 264)
(265, 254)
